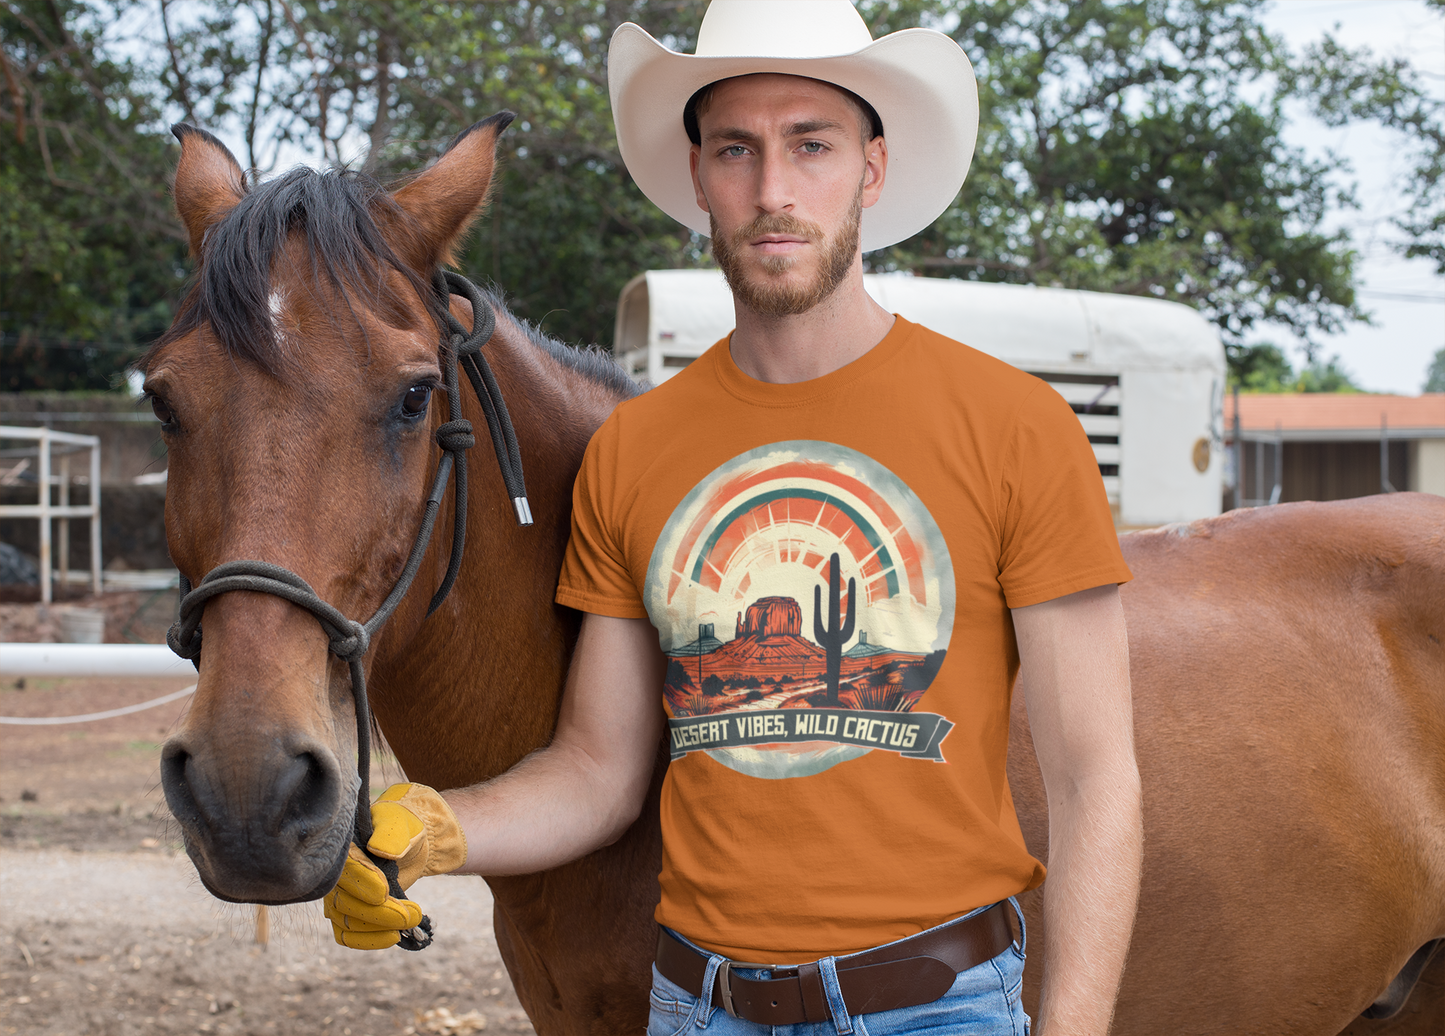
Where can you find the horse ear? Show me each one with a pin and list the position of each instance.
(209, 182)
(444, 200)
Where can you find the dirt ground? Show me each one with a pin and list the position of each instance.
(104, 927)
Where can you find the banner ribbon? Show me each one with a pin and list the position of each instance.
(913, 735)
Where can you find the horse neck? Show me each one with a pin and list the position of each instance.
(464, 695)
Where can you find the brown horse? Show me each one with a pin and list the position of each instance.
(294, 395)
(1287, 664)
(1288, 667)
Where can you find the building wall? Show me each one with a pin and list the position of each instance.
(1330, 470)
(1427, 466)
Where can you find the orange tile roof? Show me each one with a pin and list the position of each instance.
(1322, 411)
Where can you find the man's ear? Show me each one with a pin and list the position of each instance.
(209, 182)
(875, 170)
(443, 201)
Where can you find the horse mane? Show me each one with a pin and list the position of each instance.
(592, 361)
(336, 211)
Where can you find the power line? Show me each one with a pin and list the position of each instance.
(1403, 296)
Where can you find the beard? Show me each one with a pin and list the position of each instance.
(764, 292)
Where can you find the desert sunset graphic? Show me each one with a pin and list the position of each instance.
(799, 575)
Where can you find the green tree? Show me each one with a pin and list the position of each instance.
(1136, 147)
(1261, 368)
(1127, 145)
(1265, 368)
(1435, 376)
(1347, 85)
(1325, 376)
(566, 227)
(90, 255)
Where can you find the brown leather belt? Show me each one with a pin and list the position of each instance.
(916, 970)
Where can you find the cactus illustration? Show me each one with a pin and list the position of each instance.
(832, 638)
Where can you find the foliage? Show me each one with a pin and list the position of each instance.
(1136, 147)
(1127, 145)
(1265, 368)
(1261, 368)
(90, 255)
(566, 229)
(1325, 376)
(1435, 376)
(1346, 86)
(677, 674)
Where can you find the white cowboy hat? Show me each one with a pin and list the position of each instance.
(918, 80)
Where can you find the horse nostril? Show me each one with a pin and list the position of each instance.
(180, 796)
(307, 792)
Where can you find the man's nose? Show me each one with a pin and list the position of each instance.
(775, 182)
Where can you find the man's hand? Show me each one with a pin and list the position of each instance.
(414, 826)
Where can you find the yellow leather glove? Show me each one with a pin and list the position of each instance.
(414, 826)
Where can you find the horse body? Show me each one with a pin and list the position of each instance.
(1289, 698)
(1287, 664)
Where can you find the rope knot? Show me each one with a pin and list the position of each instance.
(455, 436)
(354, 644)
(187, 648)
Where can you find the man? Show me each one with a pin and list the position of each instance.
(845, 533)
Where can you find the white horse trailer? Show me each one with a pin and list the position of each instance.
(1146, 377)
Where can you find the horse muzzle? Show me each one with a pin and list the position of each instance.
(264, 822)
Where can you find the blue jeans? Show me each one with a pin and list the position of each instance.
(985, 1000)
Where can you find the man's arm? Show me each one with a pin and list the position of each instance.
(1074, 660)
(585, 788)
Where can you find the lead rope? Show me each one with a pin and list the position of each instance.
(348, 639)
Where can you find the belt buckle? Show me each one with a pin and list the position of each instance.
(725, 982)
(725, 987)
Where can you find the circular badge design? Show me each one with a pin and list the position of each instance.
(805, 599)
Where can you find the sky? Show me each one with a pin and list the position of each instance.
(1406, 299)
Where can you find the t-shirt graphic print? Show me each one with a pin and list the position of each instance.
(804, 598)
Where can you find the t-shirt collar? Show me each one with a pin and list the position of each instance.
(765, 393)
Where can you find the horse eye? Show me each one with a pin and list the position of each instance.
(162, 411)
(413, 404)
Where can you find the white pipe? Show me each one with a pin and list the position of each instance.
(91, 660)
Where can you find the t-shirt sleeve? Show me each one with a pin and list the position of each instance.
(1057, 533)
(595, 577)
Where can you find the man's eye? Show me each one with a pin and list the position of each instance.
(736, 151)
(813, 147)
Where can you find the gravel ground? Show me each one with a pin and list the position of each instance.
(104, 927)
(121, 943)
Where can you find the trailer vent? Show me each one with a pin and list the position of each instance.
(1095, 398)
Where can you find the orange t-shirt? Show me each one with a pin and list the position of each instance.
(830, 567)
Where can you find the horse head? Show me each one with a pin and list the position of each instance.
(297, 394)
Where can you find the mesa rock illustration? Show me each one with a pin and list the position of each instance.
(770, 664)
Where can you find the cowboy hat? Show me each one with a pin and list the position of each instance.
(918, 80)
